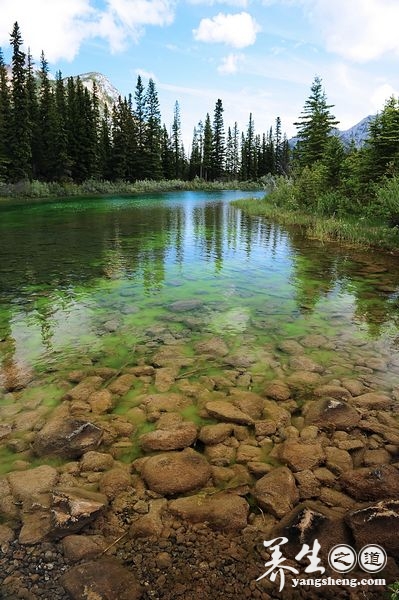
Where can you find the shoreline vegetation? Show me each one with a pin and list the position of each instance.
(31, 190)
(360, 229)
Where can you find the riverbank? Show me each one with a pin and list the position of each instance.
(93, 188)
(352, 231)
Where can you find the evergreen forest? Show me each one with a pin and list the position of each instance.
(61, 131)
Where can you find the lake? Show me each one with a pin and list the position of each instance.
(111, 282)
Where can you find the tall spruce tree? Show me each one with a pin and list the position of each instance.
(62, 161)
(207, 153)
(153, 166)
(5, 121)
(140, 116)
(218, 149)
(47, 125)
(315, 125)
(178, 156)
(21, 133)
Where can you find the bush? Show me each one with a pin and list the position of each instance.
(386, 202)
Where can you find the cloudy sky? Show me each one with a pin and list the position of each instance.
(258, 56)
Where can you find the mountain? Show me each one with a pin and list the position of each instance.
(358, 134)
(107, 93)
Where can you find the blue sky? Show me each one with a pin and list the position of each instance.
(258, 56)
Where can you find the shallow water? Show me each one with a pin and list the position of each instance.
(90, 281)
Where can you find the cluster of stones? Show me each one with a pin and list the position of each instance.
(327, 470)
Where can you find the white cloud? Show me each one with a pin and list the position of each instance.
(55, 26)
(230, 64)
(238, 30)
(238, 3)
(146, 74)
(59, 27)
(381, 94)
(358, 30)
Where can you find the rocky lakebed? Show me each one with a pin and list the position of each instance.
(162, 479)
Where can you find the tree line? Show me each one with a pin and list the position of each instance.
(328, 178)
(61, 131)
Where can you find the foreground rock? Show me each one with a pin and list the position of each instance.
(73, 509)
(224, 411)
(181, 436)
(102, 579)
(331, 413)
(378, 523)
(377, 483)
(176, 472)
(277, 492)
(223, 511)
(67, 438)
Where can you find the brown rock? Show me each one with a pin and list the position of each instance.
(114, 482)
(251, 404)
(338, 460)
(376, 524)
(372, 401)
(247, 453)
(36, 526)
(101, 402)
(331, 413)
(304, 363)
(354, 386)
(277, 390)
(224, 511)
(215, 347)
(379, 483)
(82, 547)
(85, 388)
(220, 455)
(66, 438)
(73, 509)
(181, 436)
(225, 411)
(265, 428)
(30, 486)
(277, 492)
(122, 384)
(101, 579)
(300, 456)
(6, 534)
(215, 434)
(290, 347)
(314, 340)
(155, 404)
(334, 498)
(96, 461)
(303, 380)
(308, 484)
(332, 391)
(376, 457)
(176, 472)
(274, 412)
(150, 524)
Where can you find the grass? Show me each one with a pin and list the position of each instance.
(93, 187)
(359, 232)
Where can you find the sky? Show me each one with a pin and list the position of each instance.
(258, 56)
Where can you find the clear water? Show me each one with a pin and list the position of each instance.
(88, 280)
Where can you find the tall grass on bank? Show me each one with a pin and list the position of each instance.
(365, 232)
(94, 187)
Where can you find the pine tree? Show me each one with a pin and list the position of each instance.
(278, 148)
(153, 166)
(140, 116)
(382, 148)
(20, 138)
(47, 124)
(178, 156)
(195, 166)
(248, 152)
(5, 121)
(315, 126)
(207, 153)
(218, 149)
(62, 161)
(105, 147)
(34, 117)
(167, 156)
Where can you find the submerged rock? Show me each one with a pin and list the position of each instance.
(276, 492)
(101, 579)
(73, 509)
(224, 511)
(226, 411)
(378, 483)
(300, 456)
(176, 472)
(67, 438)
(377, 524)
(181, 436)
(331, 413)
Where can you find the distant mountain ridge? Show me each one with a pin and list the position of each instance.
(356, 134)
